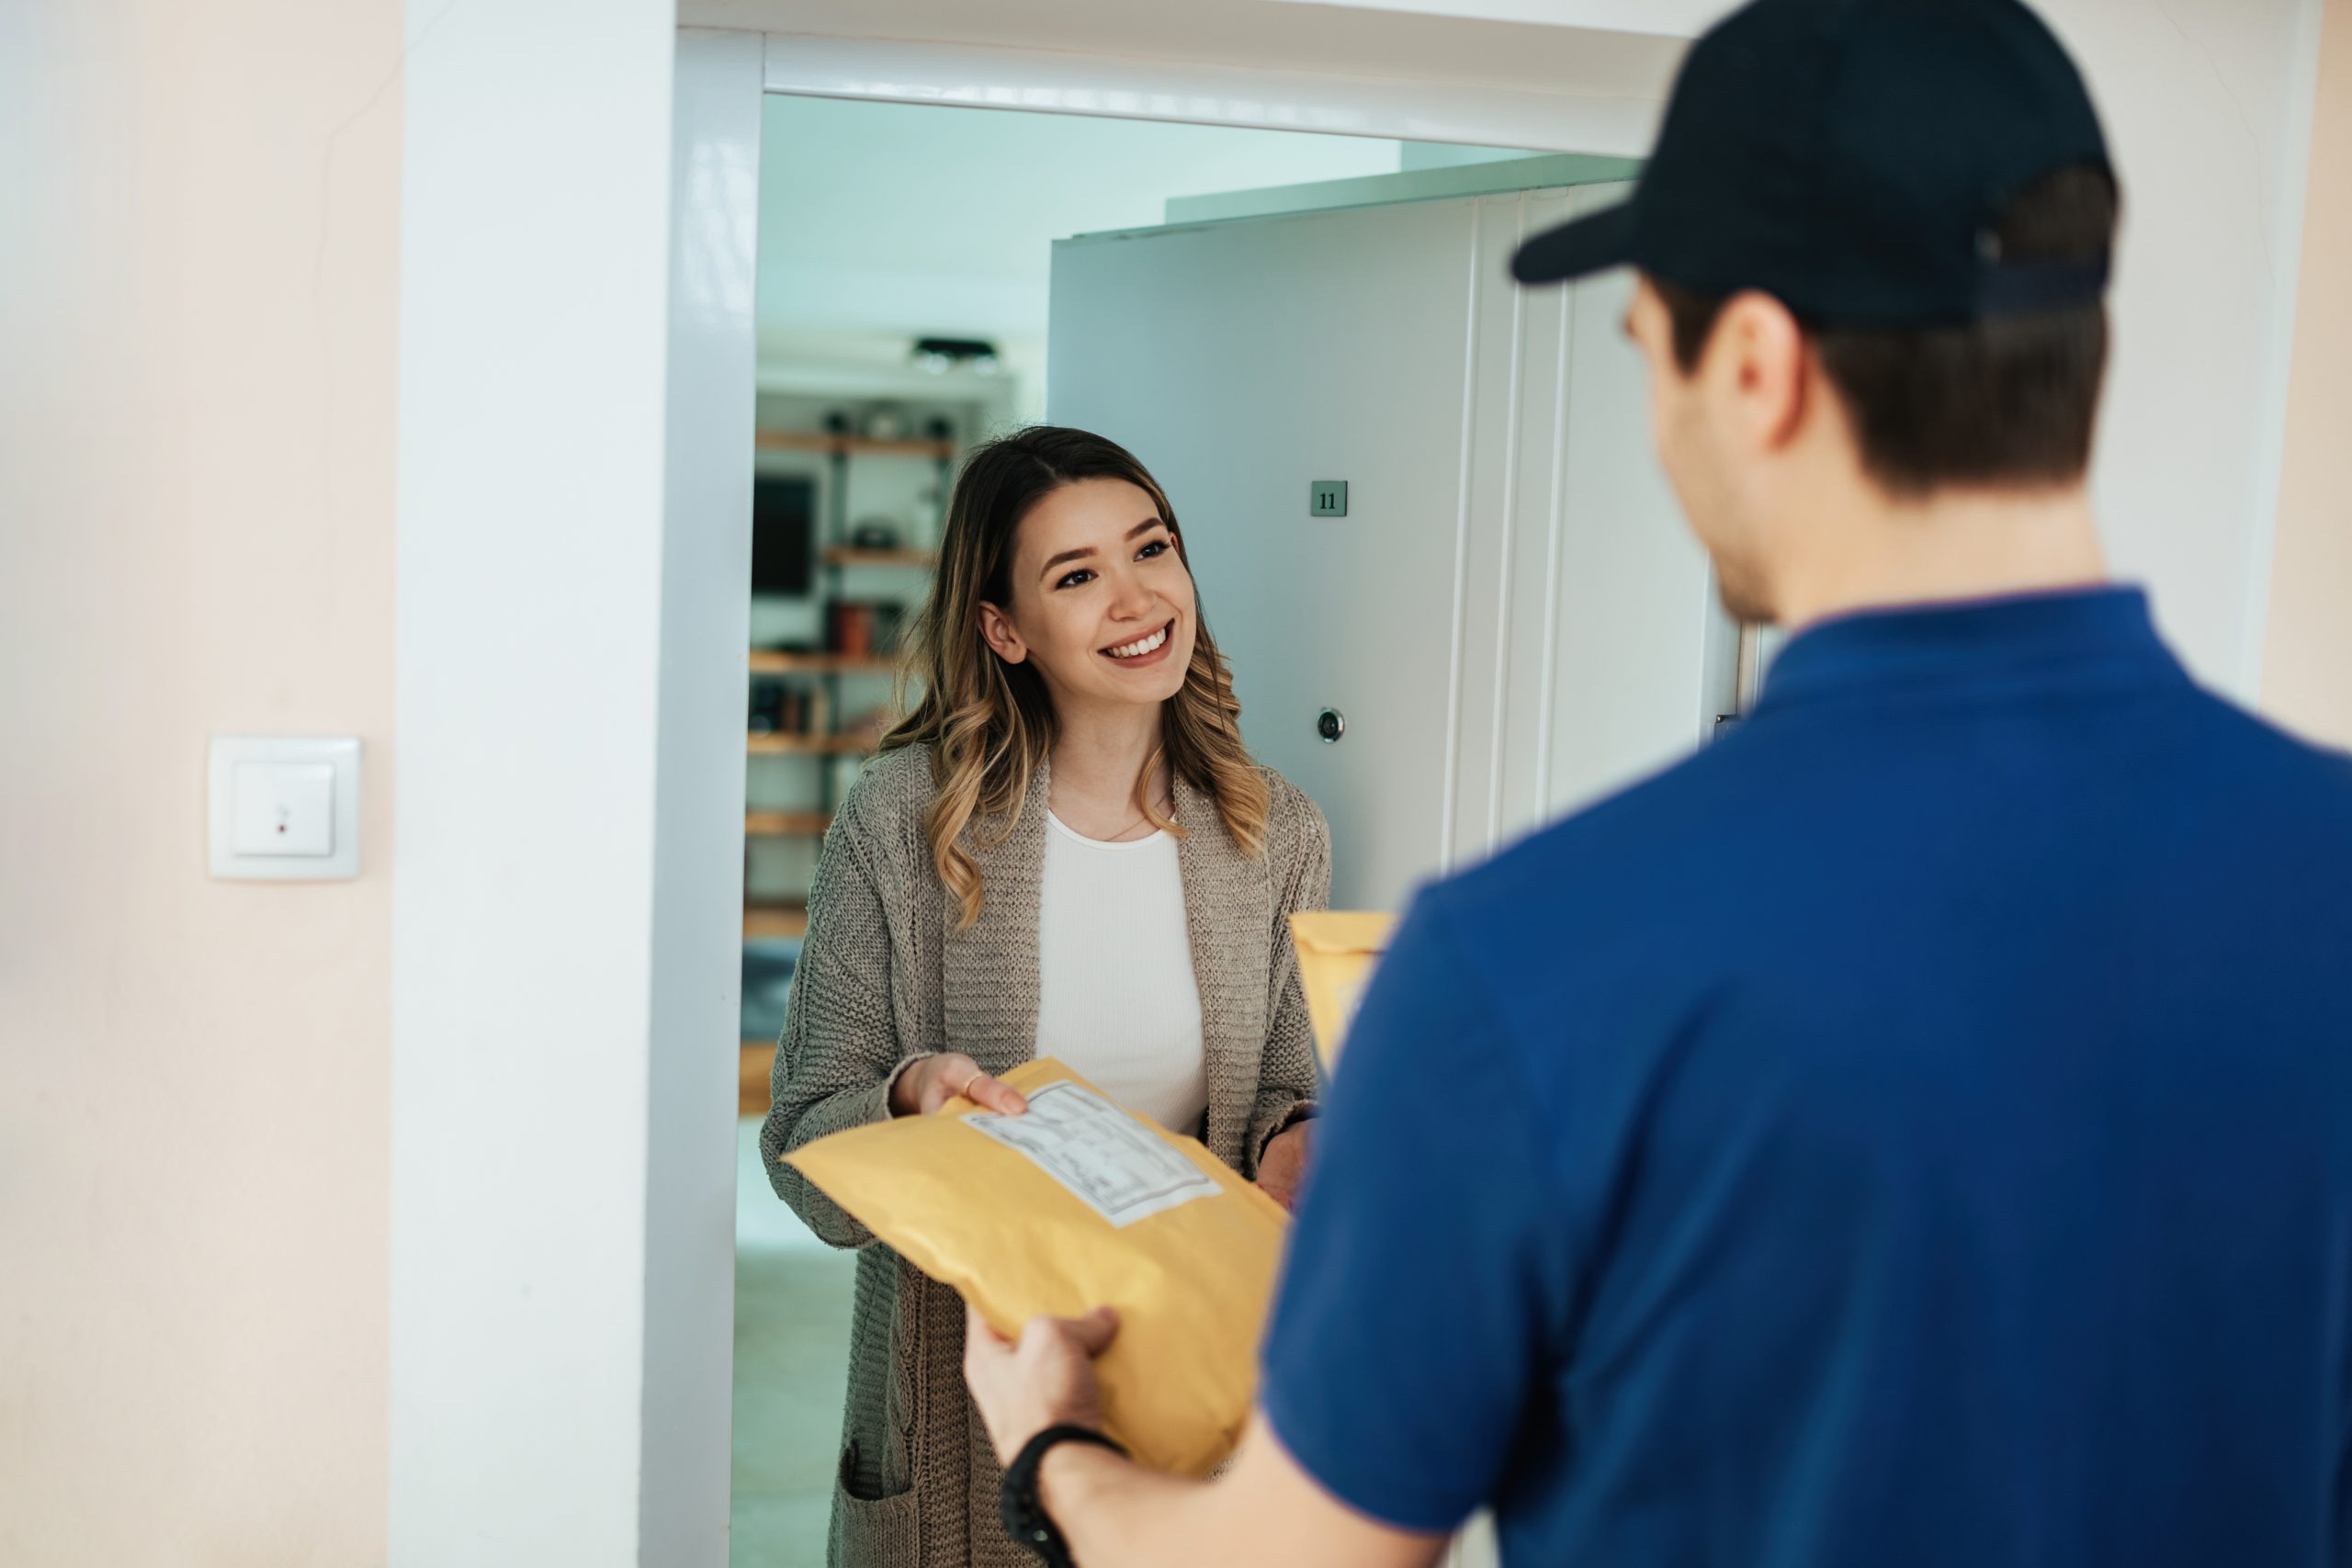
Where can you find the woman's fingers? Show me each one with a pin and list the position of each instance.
(918, 1091)
(995, 1094)
(940, 1078)
(945, 1076)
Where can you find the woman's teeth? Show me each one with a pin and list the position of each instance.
(1138, 649)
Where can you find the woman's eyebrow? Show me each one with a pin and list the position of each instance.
(1146, 527)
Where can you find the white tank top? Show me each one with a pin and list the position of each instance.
(1116, 997)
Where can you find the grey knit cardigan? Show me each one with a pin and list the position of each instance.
(884, 978)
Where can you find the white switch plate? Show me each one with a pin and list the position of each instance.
(284, 808)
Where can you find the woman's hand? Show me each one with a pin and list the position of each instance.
(1282, 1165)
(933, 1081)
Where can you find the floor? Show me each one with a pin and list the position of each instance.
(792, 1300)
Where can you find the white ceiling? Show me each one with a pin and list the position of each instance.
(908, 220)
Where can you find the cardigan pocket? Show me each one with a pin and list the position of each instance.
(869, 1532)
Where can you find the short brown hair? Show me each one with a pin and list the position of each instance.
(2011, 401)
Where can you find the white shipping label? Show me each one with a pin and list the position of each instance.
(1112, 1163)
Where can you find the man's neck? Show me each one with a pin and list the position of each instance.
(1873, 552)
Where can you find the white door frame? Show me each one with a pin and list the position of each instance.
(697, 914)
(574, 578)
(1040, 82)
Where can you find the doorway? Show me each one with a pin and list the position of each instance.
(567, 919)
(906, 291)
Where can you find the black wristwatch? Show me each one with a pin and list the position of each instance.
(1024, 1514)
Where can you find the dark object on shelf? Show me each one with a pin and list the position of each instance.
(940, 354)
(778, 708)
(837, 423)
(767, 986)
(866, 631)
(853, 630)
(874, 534)
(784, 535)
(940, 428)
(768, 708)
(888, 620)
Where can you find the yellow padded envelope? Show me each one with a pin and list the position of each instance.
(1077, 1204)
(1336, 951)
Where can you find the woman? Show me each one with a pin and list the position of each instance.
(1066, 851)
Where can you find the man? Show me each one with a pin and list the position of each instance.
(1918, 1130)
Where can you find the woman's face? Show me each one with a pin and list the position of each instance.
(1102, 604)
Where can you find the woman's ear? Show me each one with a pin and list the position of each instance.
(996, 630)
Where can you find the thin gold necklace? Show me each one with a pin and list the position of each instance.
(1167, 810)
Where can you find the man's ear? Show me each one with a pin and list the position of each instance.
(1759, 353)
(996, 630)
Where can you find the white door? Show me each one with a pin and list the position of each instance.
(1511, 618)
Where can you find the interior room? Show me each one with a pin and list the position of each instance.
(910, 307)
(511, 439)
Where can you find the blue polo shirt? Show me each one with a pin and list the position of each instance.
(1915, 1131)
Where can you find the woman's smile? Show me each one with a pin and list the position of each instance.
(1150, 649)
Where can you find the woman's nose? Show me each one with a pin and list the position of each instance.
(1131, 599)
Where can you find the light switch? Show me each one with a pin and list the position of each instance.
(284, 808)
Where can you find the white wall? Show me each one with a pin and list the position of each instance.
(533, 339)
(198, 297)
(2207, 105)
(2307, 674)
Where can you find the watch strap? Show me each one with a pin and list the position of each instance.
(1025, 1513)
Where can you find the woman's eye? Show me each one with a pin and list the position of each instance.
(1156, 547)
(1075, 577)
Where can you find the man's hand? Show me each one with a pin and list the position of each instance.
(933, 1081)
(1283, 1167)
(1047, 1380)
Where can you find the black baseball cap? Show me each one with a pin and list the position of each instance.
(1853, 159)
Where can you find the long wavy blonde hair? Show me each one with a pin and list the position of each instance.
(989, 723)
